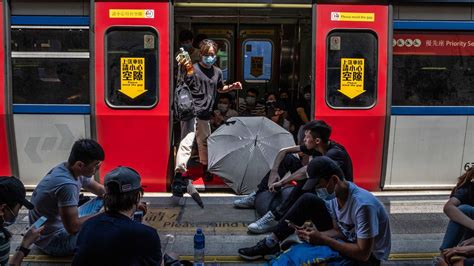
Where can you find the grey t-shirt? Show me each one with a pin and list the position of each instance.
(57, 189)
(363, 216)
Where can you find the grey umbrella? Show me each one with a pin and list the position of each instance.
(242, 151)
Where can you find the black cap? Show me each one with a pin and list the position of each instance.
(321, 167)
(13, 191)
(124, 177)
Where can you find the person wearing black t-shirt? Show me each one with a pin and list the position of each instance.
(204, 80)
(316, 143)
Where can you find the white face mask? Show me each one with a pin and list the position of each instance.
(251, 100)
(324, 194)
(223, 107)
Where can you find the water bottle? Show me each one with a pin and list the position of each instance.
(199, 244)
(185, 55)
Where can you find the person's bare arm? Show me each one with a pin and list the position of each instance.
(70, 218)
(274, 177)
(30, 237)
(361, 250)
(302, 114)
(335, 232)
(455, 214)
(234, 86)
(95, 187)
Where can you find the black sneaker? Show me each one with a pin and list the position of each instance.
(259, 251)
(178, 187)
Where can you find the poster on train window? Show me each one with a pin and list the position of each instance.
(256, 66)
(132, 76)
(352, 77)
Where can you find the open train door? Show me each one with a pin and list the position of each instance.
(132, 86)
(351, 65)
(5, 167)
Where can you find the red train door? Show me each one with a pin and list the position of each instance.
(132, 87)
(351, 82)
(5, 168)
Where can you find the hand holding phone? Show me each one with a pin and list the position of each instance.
(39, 222)
(33, 233)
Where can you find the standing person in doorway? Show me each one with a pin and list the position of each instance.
(204, 80)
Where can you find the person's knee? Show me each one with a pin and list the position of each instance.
(466, 209)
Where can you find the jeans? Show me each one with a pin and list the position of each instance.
(308, 207)
(62, 244)
(455, 232)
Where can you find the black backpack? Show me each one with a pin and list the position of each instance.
(183, 99)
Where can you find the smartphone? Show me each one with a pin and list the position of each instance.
(138, 216)
(292, 225)
(40, 222)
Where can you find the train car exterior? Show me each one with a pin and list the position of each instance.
(393, 78)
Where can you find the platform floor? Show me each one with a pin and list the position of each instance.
(417, 225)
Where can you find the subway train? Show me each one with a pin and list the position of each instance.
(393, 79)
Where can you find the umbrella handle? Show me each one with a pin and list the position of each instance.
(229, 123)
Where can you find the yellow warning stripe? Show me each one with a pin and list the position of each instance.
(232, 259)
(412, 256)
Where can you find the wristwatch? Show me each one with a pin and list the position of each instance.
(24, 250)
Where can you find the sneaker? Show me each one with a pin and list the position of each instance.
(265, 224)
(259, 251)
(247, 202)
(293, 239)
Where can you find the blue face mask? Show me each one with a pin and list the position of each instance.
(324, 194)
(209, 59)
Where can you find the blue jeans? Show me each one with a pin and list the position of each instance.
(455, 232)
(62, 244)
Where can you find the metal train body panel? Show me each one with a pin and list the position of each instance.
(418, 133)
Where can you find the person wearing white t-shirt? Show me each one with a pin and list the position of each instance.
(354, 222)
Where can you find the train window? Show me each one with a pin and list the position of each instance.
(50, 64)
(56, 39)
(132, 67)
(223, 56)
(257, 60)
(351, 80)
(50, 80)
(433, 69)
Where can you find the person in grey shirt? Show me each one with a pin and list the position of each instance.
(57, 196)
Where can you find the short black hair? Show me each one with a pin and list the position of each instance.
(253, 90)
(86, 151)
(114, 200)
(225, 96)
(319, 129)
(185, 35)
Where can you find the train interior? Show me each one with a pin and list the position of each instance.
(266, 49)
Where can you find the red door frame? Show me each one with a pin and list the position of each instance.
(362, 132)
(5, 165)
(138, 138)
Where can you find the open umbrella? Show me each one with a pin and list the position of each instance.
(242, 151)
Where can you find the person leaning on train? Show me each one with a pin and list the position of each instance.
(460, 210)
